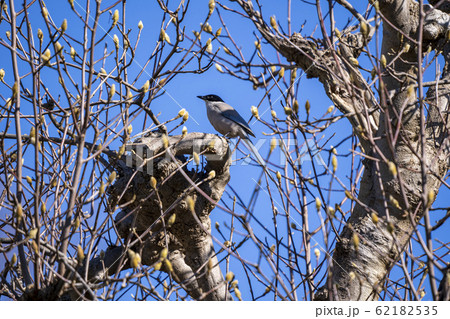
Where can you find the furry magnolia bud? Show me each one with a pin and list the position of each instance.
(121, 150)
(207, 27)
(318, 203)
(163, 36)
(18, 211)
(287, 110)
(45, 13)
(337, 32)
(330, 109)
(295, 106)
(112, 91)
(196, 158)
(161, 82)
(165, 141)
(375, 218)
(171, 219)
(353, 61)
(168, 265)
(333, 150)
(115, 17)
(209, 47)
(317, 253)
(430, 197)
(46, 56)
(273, 23)
(32, 233)
(153, 182)
(390, 227)
(129, 95)
(355, 240)
(281, 73)
(190, 203)
(349, 195)
(211, 6)
(278, 176)
(14, 259)
(274, 114)
(218, 68)
(80, 254)
(146, 86)
(254, 111)
(392, 168)
(59, 49)
(406, 47)
(364, 29)
(411, 92)
(73, 53)
(116, 41)
(376, 5)
(135, 259)
(237, 292)
(383, 61)
(307, 107)
(273, 144)
(163, 254)
(112, 177)
(101, 189)
(229, 276)
(334, 162)
(185, 116)
(64, 26)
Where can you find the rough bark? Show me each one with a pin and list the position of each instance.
(143, 220)
(359, 271)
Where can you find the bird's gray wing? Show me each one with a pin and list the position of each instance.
(234, 116)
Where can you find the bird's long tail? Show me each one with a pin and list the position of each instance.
(255, 152)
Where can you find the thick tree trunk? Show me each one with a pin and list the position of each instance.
(144, 219)
(359, 272)
(388, 205)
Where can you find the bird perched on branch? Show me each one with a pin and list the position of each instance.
(227, 121)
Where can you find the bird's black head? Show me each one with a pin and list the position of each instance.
(211, 98)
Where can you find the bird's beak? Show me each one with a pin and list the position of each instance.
(200, 97)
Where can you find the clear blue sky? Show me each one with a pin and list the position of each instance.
(182, 92)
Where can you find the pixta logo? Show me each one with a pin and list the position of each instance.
(141, 157)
